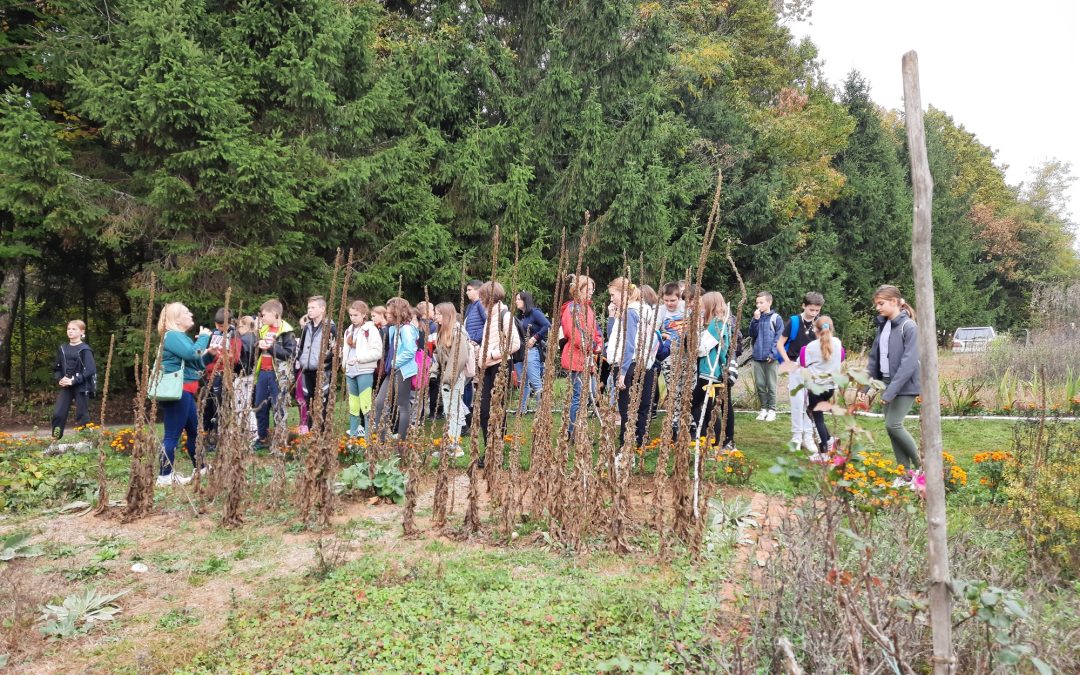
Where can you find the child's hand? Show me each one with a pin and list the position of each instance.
(622, 381)
(65, 382)
(757, 313)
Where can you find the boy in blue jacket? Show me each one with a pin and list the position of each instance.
(765, 328)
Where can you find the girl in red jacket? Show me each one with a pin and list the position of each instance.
(583, 341)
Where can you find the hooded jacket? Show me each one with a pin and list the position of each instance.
(903, 357)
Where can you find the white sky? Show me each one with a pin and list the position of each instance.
(1007, 72)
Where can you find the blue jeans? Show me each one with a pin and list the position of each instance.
(266, 398)
(575, 397)
(179, 416)
(534, 374)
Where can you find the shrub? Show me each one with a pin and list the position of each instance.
(1043, 488)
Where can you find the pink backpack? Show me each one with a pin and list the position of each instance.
(423, 369)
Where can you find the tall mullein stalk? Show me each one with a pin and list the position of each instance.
(589, 460)
(229, 474)
(674, 423)
(512, 484)
(542, 467)
(568, 455)
(103, 485)
(414, 453)
(315, 494)
(687, 479)
(615, 458)
(439, 500)
(472, 510)
(328, 440)
(496, 442)
(140, 493)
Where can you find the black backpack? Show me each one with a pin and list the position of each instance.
(90, 383)
(519, 355)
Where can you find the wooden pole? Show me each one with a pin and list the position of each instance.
(930, 410)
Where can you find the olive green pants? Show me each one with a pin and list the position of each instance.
(904, 448)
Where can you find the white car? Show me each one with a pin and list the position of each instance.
(973, 339)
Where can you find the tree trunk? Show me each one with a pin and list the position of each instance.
(930, 410)
(9, 295)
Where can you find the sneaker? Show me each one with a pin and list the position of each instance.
(819, 458)
(831, 446)
(761, 415)
(259, 446)
(809, 443)
(770, 416)
(57, 433)
(173, 478)
(729, 446)
(303, 429)
(901, 482)
(203, 471)
(795, 442)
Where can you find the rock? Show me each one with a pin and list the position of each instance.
(139, 568)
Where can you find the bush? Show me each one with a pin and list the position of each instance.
(1043, 487)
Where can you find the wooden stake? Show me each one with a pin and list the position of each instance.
(930, 410)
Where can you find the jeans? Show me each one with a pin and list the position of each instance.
(63, 405)
(403, 401)
(454, 406)
(179, 416)
(359, 401)
(765, 381)
(533, 380)
(212, 404)
(306, 382)
(905, 450)
(818, 416)
(644, 411)
(266, 398)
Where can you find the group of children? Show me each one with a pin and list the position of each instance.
(402, 362)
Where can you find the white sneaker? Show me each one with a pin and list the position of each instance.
(770, 416)
(761, 415)
(795, 442)
(901, 482)
(809, 443)
(818, 458)
(203, 471)
(173, 478)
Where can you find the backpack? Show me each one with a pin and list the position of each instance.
(474, 354)
(90, 382)
(776, 334)
(423, 369)
(790, 344)
(519, 355)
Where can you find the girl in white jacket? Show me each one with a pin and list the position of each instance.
(360, 353)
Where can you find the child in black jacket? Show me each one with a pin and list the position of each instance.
(76, 374)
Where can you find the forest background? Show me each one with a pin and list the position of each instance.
(239, 144)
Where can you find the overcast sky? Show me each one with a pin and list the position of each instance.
(1007, 72)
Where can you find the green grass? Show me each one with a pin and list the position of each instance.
(467, 612)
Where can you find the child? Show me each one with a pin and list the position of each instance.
(475, 319)
(799, 332)
(821, 359)
(577, 322)
(671, 316)
(500, 332)
(535, 327)
(276, 349)
(361, 350)
(310, 358)
(713, 344)
(399, 367)
(222, 336)
(894, 359)
(631, 346)
(429, 328)
(452, 363)
(75, 373)
(765, 330)
(244, 385)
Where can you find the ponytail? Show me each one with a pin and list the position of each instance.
(890, 292)
(823, 328)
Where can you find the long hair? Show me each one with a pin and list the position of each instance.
(713, 306)
(578, 286)
(170, 315)
(631, 292)
(448, 323)
(889, 292)
(823, 328)
(398, 311)
(527, 301)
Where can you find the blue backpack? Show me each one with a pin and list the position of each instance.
(790, 344)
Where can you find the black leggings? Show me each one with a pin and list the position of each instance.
(487, 389)
(644, 411)
(696, 403)
(818, 416)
